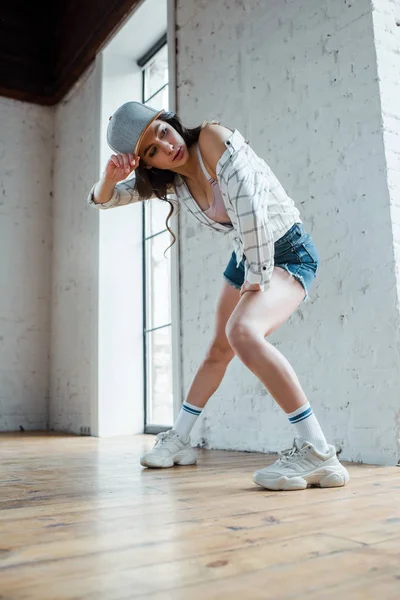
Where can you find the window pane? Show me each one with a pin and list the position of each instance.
(160, 100)
(156, 214)
(159, 399)
(159, 377)
(158, 278)
(156, 73)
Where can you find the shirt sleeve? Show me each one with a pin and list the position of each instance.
(124, 193)
(247, 190)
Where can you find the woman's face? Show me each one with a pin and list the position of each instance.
(162, 147)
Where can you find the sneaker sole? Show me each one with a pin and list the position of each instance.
(324, 478)
(167, 463)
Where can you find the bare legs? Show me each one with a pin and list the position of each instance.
(240, 328)
(257, 315)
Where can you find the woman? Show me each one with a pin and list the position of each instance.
(217, 177)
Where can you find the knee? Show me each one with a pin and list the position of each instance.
(239, 333)
(219, 353)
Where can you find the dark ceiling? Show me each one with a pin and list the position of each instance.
(46, 47)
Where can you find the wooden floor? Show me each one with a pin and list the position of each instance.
(80, 518)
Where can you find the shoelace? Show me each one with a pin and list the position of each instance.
(289, 455)
(163, 438)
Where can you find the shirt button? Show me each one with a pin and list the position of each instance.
(264, 268)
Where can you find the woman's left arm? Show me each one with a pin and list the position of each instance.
(248, 193)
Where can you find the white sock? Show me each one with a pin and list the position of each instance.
(187, 417)
(307, 427)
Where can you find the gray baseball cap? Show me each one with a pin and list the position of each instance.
(128, 125)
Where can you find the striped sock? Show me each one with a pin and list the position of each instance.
(186, 419)
(307, 427)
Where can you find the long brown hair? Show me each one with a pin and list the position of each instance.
(159, 182)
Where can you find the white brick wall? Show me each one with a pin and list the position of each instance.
(300, 80)
(386, 20)
(74, 302)
(25, 248)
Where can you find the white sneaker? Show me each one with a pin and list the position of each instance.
(302, 466)
(169, 450)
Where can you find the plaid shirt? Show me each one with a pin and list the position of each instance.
(259, 209)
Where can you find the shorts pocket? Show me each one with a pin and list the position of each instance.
(307, 253)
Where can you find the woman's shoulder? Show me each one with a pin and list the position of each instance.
(212, 140)
(213, 132)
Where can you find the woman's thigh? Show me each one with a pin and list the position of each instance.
(264, 312)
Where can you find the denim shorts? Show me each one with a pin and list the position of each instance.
(295, 252)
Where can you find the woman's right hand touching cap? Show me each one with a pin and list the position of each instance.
(119, 166)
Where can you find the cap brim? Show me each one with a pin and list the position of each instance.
(136, 148)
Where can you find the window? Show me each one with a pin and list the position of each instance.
(155, 80)
(158, 376)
